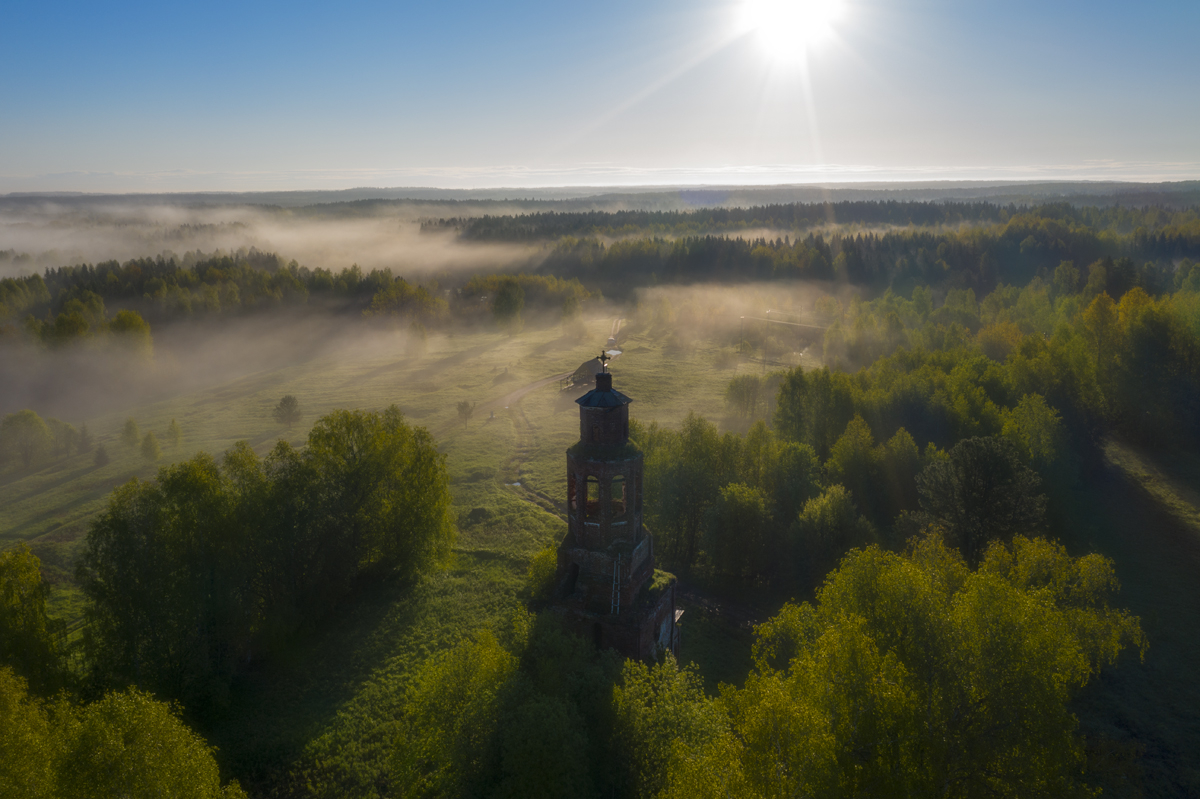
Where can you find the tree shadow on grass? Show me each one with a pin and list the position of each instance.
(64, 478)
(322, 710)
(437, 367)
(28, 528)
(563, 342)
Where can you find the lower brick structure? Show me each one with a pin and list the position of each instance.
(642, 632)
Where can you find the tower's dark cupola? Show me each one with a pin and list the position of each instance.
(604, 415)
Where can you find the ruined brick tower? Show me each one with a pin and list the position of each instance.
(608, 587)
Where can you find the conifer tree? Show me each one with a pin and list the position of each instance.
(131, 436)
(151, 451)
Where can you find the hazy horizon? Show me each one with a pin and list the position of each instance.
(599, 180)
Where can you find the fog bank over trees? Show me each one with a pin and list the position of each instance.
(51, 233)
(377, 228)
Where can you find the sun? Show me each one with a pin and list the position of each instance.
(788, 28)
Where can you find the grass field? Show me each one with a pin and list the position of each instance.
(318, 720)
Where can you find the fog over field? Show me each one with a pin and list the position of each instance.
(85, 380)
(55, 234)
(90, 378)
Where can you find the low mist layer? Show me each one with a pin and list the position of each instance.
(80, 382)
(47, 234)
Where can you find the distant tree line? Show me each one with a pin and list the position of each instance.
(68, 304)
(80, 317)
(27, 437)
(1149, 248)
(167, 288)
(979, 258)
(790, 216)
(552, 225)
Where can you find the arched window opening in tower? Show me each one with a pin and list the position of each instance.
(595, 434)
(572, 497)
(618, 496)
(591, 497)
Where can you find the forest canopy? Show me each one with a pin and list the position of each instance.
(910, 675)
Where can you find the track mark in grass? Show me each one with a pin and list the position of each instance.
(1164, 487)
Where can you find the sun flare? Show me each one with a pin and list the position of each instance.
(788, 28)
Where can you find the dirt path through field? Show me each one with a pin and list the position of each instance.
(512, 398)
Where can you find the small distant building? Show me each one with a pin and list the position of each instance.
(607, 586)
(585, 374)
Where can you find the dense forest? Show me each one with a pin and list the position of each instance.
(1020, 382)
(70, 304)
(1012, 252)
(552, 225)
(904, 509)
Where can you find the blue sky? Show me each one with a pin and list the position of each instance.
(221, 96)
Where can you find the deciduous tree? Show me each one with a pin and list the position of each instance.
(190, 574)
(508, 303)
(26, 434)
(132, 331)
(30, 641)
(981, 493)
(151, 450)
(739, 532)
(125, 744)
(287, 412)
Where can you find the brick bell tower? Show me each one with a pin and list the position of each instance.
(608, 587)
